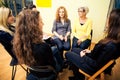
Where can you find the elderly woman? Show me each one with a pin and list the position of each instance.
(82, 29)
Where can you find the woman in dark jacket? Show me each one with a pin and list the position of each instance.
(30, 48)
(104, 51)
(7, 31)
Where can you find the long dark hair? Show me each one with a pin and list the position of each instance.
(113, 32)
(28, 31)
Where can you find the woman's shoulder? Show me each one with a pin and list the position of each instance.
(109, 44)
(4, 33)
(89, 19)
(42, 45)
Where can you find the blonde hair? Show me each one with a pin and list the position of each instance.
(4, 14)
(84, 8)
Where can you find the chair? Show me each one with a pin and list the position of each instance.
(91, 33)
(99, 72)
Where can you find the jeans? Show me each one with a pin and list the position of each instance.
(62, 45)
(85, 63)
(83, 45)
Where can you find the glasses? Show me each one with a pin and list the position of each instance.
(80, 11)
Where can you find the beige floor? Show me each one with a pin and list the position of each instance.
(6, 70)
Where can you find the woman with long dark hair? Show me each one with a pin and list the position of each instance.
(30, 48)
(104, 51)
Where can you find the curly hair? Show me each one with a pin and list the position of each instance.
(28, 31)
(65, 14)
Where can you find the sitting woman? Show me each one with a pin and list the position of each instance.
(82, 29)
(104, 51)
(7, 32)
(62, 30)
(30, 48)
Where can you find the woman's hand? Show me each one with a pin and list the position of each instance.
(79, 41)
(61, 37)
(87, 51)
(82, 53)
(65, 38)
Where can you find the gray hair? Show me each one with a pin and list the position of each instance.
(84, 8)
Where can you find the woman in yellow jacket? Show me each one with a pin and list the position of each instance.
(82, 29)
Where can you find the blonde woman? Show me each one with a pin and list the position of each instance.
(6, 31)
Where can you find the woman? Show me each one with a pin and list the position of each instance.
(104, 51)
(30, 48)
(62, 29)
(7, 31)
(82, 29)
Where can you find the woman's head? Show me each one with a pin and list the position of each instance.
(32, 7)
(114, 25)
(83, 10)
(28, 31)
(61, 13)
(6, 17)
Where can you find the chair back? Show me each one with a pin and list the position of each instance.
(99, 72)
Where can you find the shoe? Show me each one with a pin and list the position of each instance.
(65, 65)
(76, 78)
(13, 62)
(71, 78)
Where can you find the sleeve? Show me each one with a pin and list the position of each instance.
(69, 26)
(88, 31)
(49, 56)
(89, 28)
(107, 53)
(5, 40)
(54, 27)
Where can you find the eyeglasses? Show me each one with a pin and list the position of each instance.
(80, 11)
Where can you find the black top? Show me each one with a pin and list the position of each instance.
(101, 54)
(5, 40)
(43, 56)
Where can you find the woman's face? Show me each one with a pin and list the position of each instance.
(81, 12)
(61, 13)
(10, 19)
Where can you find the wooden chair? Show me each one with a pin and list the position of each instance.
(99, 72)
(91, 33)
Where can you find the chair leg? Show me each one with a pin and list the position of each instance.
(14, 68)
(86, 78)
(102, 76)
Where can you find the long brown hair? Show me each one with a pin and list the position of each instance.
(113, 32)
(28, 31)
(65, 14)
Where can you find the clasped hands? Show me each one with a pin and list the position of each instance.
(83, 52)
(63, 38)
